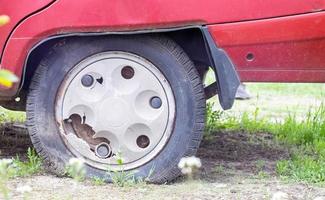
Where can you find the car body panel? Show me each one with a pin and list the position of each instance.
(287, 49)
(17, 10)
(223, 17)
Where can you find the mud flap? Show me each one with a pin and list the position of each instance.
(226, 75)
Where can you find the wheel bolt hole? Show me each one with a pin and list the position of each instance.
(103, 150)
(127, 72)
(143, 141)
(155, 102)
(87, 80)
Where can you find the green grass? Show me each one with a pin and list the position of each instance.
(98, 181)
(32, 166)
(316, 90)
(275, 100)
(11, 168)
(11, 116)
(292, 89)
(305, 137)
(19, 168)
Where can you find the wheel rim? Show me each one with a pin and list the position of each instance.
(115, 105)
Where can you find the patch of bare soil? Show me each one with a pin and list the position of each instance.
(239, 152)
(14, 140)
(235, 166)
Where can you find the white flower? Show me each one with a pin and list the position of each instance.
(194, 162)
(189, 164)
(6, 162)
(77, 163)
(76, 169)
(186, 170)
(280, 196)
(24, 189)
(182, 163)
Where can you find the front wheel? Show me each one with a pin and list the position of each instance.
(139, 99)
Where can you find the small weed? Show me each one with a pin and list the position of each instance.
(33, 165)
(10, 168)
(217, 120)
(260, 164)
(121, 177)
(262, 175)
(255, 124)
(219, 169)
(212, 119)
(98, 181)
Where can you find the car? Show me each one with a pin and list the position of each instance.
(119, 84)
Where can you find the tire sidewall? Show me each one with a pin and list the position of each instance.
(69, 53)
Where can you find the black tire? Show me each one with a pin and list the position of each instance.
(165, 54)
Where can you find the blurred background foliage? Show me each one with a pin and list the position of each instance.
(7, 78)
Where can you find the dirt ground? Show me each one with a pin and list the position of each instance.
(235, 166)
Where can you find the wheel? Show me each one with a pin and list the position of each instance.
(138, 98)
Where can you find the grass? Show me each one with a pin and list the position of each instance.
(316, 90)
(12, 168)
(123, 178)
(19, 168)
(294, 113)
(275, 100)
(11, 116)
(308, 160)
(98, 181)
(32, 166)
(304, 136)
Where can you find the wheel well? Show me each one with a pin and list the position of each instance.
(190, 39)
(193, 43)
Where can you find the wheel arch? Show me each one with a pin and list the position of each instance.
(195, 41)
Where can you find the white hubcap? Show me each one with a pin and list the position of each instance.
(115, 103)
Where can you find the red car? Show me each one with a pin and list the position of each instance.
(103, 80)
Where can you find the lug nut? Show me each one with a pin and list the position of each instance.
(87, 80)
(103, 150)
(155, 102)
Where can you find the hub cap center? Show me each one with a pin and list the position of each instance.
(114, 112)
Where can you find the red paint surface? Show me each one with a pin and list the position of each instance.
(17, 10)
(288, 49)
(291, 37)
